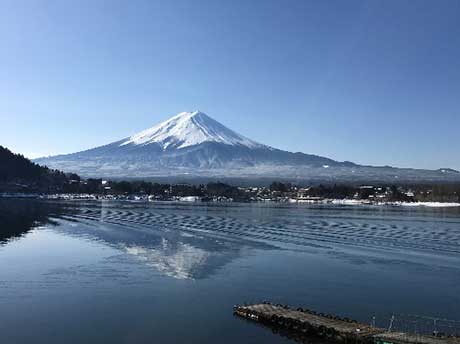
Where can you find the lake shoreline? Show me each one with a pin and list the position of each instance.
(196, 199)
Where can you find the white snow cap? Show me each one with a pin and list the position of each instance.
(188, 129)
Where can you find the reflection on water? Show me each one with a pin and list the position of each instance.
(178, 245)
(17, 217)
(180, 260)
(435, 230)
(140, 270)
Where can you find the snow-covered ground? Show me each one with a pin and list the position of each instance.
(405, 204)
(430, 204)
(349, 201)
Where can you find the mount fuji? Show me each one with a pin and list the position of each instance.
(194, 144)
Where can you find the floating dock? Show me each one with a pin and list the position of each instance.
(302, 323)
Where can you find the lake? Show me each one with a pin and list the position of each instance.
(126, 272)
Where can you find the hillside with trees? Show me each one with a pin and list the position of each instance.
(19, 174)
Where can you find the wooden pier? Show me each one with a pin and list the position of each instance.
(301, 324)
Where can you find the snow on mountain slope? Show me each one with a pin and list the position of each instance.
(192, 143)
(189, 129)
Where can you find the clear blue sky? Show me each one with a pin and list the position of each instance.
(374, 82)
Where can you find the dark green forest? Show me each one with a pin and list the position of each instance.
(18, 173)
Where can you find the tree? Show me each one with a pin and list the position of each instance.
(278, 186)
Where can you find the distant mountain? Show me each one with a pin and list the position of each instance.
(18, 173)
(194, 144)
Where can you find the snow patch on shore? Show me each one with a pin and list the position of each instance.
(404, 204)
(349, 201)
(430, 204)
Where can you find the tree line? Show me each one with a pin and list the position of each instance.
(19, 174)
(98, 186)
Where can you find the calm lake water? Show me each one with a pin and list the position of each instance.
(113, 272)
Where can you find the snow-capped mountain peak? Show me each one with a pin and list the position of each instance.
(194, 144)
(188, 129)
